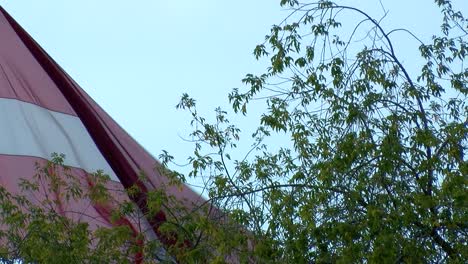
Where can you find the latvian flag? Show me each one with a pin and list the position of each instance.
(43, 111)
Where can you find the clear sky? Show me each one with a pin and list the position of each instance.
(136, 58)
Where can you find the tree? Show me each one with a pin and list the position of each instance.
(373, 168)
(40, 226)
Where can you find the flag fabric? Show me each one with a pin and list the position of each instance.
(43, 111)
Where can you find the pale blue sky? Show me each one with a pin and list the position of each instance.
(136, 58)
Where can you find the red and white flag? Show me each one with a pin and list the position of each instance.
(43, 111)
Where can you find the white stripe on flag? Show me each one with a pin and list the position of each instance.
(30, 130)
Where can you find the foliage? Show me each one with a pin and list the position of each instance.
(37, 228)
(45, 222)
(357, 158)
